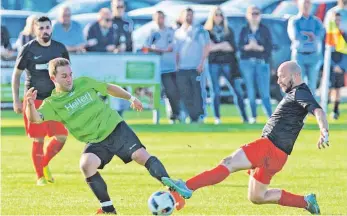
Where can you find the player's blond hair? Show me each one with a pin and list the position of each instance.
(55, 63)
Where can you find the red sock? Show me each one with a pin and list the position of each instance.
(288, 199)
(52, 149)
(210, 177)
(37, 157)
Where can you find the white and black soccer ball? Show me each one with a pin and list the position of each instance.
(161, 203)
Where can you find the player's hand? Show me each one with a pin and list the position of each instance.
(17, 107)
(30, 96)
(323, 139)
(136, 105)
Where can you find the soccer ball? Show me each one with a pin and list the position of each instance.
(161, 203)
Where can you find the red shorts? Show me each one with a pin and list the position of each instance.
(266, 159)
(48, 128)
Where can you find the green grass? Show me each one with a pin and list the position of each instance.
(185, 150)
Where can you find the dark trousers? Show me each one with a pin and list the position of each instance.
(171, 91)
(188, 82)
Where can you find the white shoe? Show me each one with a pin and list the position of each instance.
(217, 121)
(252, 120)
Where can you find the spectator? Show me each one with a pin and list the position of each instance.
(123, 27)
(68, 32)
(255, 47)
(27, 34)
(338, 68)
(306, 33)
(161, 41)
(221, 59)
(192, 46)
(6, 52)
(100, 35)
(341, 8)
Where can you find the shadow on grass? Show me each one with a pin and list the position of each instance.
(204, 128)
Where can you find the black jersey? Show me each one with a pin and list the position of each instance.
(34, 58)
(286, 122)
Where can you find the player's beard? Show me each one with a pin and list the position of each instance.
(289, 86)
(46, 37)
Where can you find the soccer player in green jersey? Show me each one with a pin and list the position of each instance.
(77, 105)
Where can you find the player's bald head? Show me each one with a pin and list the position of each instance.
(289, 75)
(290, 67)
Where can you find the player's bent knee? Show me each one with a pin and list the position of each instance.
(89, 163)
(140, 156)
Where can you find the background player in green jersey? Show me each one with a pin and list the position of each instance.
(77, 105)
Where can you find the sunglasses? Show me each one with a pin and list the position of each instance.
(255, 14)
(108, 20)
(219, 14)
(120, 6)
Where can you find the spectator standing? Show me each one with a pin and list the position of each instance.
(68, 32)
(27, 34)
(221, 59)
(160, 41)
(255, 47)
(341, 22)
(100, 35)
(306, 33)
(123, 27)
(338, 70)
(192, 46)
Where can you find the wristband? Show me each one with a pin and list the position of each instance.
(132, 99)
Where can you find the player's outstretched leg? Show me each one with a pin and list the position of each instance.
(89, 164)
(53, 148)
(37, 158)
(235, 162)
(258, 193)
(158, 171)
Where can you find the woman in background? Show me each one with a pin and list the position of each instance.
(222, 61)
(27, 34)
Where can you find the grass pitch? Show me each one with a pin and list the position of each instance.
(185, 150)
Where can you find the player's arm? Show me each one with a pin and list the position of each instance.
(117, 91)
(307, 101)
(17, 105)
(324, 127)
(32, 114)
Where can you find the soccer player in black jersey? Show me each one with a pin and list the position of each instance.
(267, 155)
(33, 58)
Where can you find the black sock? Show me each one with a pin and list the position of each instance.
(156, 168)
(99, 188)
(336, 106)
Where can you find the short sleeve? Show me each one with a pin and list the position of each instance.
(305, 99)
(100, 87)
(65, 53)
(22, 58)
(47, 112)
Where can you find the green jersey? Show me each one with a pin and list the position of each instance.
(82, 111)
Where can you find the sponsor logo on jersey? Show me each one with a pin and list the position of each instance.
(78, 103)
